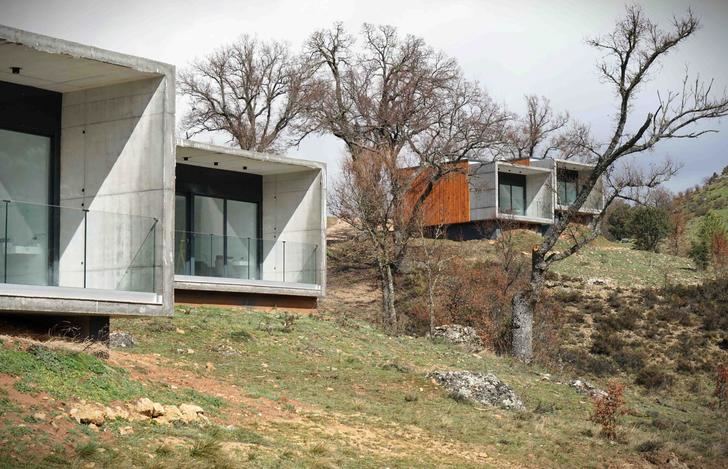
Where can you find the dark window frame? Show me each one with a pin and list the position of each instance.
(512, 181)
(564, 179)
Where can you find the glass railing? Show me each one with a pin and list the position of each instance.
(208, 255)
(66, 247)
(535, 209)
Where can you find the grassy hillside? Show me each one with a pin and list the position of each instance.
(712, 197)
(330, 392)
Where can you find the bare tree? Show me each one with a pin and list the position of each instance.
(631, 51)
(433, 261)
(252, 91)
(394, 100)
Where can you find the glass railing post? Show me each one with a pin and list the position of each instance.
(284, 261)
(249, 258)
(85, 238)
(5, 238)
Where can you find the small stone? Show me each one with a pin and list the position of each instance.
(180, 331)
(209, 366)
(126, 430)
(39, 416)
(190, 351)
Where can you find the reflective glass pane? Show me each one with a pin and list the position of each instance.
(208, 259)
(24, 177)
(242, 229)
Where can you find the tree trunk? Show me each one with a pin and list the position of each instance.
(389, 313)
(522, 326)
(523, 305)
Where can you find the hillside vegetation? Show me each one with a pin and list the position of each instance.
(324, 392)
(710, 197)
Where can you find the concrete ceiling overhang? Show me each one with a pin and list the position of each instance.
(64, 66)
(231, 159)
(522, 169)
(574, 165)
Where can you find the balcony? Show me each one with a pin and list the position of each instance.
(206, 261)
(58, 252)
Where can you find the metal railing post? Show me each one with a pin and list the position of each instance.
(85, 242)
(315, 264)
(154, 256)
(5, 256)
(284, 261)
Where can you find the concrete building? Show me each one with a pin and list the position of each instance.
(86, 180)
(479, 197)
(249, 228)
(88, 160)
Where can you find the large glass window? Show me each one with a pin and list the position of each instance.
(26, 237)
(567, 188)
(220, 240)
(512, 193)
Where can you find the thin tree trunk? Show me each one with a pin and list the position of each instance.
(523, 305)
(389, 313)
(392, 312)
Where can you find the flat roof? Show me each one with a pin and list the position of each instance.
(64, 66)
(576, 165)
(206, 155)
(514, 168)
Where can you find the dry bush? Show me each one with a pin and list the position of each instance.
(608, 409)
(721, 385)
(475, 294)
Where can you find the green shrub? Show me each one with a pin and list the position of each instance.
(648, 226)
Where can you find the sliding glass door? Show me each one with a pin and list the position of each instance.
(220, 238)
(25, 236)
(512, 193)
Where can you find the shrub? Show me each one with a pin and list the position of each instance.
(653, 377)
(721, 385)
(648, 226)
(617, 221)
(608, 409)
(711, 243)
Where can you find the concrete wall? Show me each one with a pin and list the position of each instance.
(117, 157)
(483, 191)
(294, 212)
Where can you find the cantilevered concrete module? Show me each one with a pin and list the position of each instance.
(86, 179)
(250, 228)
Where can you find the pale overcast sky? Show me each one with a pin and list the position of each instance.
(512, 47)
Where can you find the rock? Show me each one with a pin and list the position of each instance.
(478, 387)
(191, 412)
(585, 387)
(171, 414)
(151, 409)
(463, 336)
(180, 331)
(120, 339)
(225, 350)
(39, 417)
(209, 366)
(88, 415)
